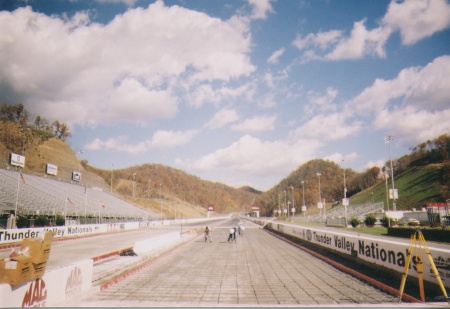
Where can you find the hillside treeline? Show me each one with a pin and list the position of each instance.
(159, 181)
(17, 133)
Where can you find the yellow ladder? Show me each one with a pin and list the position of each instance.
(417, 236)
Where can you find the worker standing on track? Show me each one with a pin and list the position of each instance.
(208, 234)
(241, 230)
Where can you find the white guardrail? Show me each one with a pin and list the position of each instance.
(384, 252)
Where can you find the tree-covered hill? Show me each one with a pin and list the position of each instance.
(420, 177)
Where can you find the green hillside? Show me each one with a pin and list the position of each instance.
(416, 186)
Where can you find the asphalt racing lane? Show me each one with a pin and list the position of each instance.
(258, 269)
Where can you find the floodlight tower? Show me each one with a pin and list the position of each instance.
(389, 139)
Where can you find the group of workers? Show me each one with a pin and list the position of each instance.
(232, 235)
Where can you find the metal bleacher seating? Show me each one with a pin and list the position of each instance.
(337, 214)
(356, 210)
(35, 195)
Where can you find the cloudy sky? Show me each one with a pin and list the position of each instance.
(238, 92)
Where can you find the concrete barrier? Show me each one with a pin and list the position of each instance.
(156, 243)
(387, 252)
(56, 286)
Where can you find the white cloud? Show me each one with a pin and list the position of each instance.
(361, 43)
(161, 140)
(150, 50)
(169, 139)
(326, 127)
(342, 159)
(430, 88)
(132, 100)
(274, 57)
(321, 102)
(126, 2)
(426, 88)
(333, 45)
(257, 157)
(221, 118)
(414, 105)
(417, 19)
(256, 124)
(413, 126)
(260, 8)
(321, 40)
(203, 94)
(378, 163)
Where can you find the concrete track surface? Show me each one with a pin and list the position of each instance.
(258, 270)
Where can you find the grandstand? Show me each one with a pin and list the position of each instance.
(336, 215)
(35, 195)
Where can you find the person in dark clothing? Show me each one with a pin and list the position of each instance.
(208, 234)
(232, 233)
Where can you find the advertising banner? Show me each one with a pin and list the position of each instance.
(383, 252)
(51, 169)
(76, 176)
(16, 235)
(17, 160)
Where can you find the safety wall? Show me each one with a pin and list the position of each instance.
(16, 235)
(8, 236)
(56, 286)
(387, 253)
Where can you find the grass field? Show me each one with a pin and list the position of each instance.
(416, 186)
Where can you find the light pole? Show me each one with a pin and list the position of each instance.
(303, 206)
(293, 204)
(320, 194)
(148, 192)
(112, 170)
(279, 204)
(134, 175)
(389, 139)
(80, 151)
(387, 191)
(344, 201)
(160, 201)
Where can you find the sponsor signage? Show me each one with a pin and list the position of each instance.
(16, 160)
(51, 169)
(391, 254)
(76, 176)
(393, 194)
(16, 235)
(36, 295)
(74, 284)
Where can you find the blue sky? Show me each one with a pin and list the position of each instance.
(238, 92)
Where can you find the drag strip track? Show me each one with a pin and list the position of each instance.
(257, 269)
